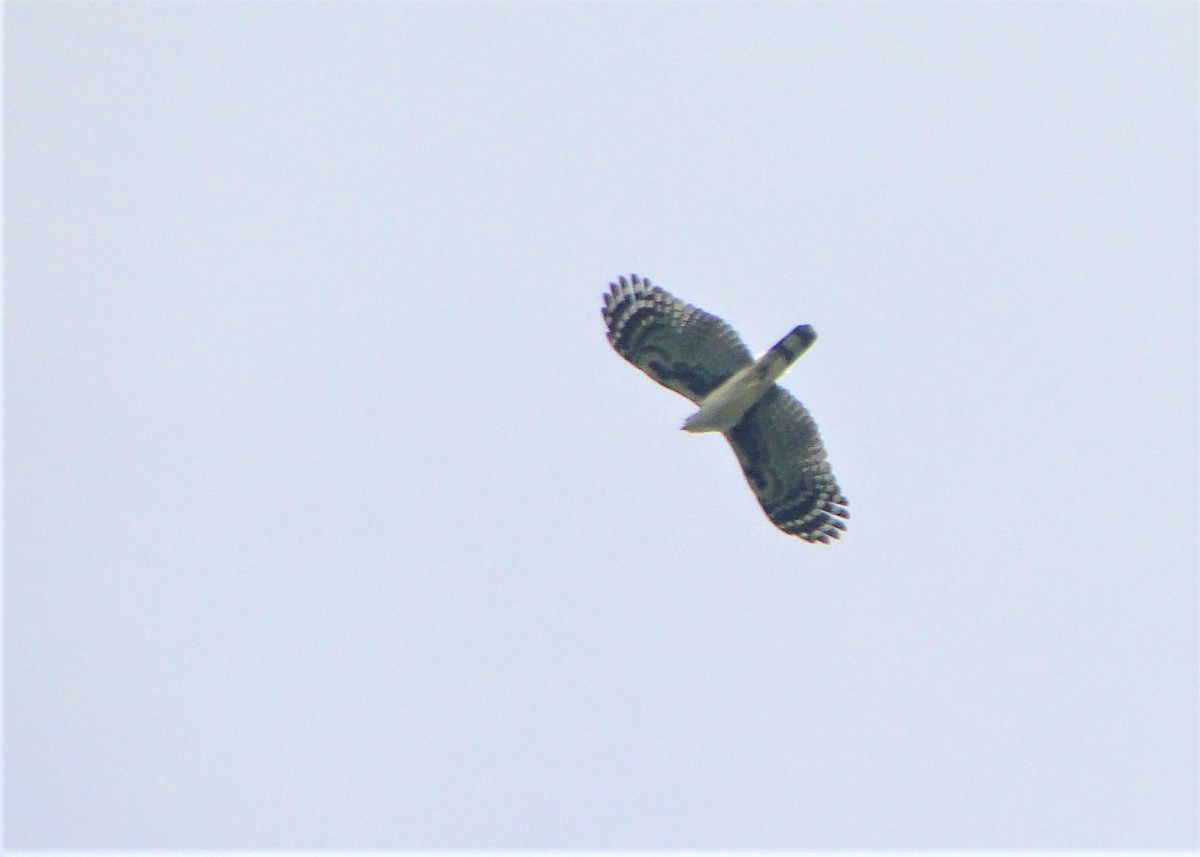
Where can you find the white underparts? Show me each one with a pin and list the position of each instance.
(725, 406)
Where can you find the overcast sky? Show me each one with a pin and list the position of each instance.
(332, 520)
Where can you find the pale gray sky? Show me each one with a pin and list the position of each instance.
(333, 521)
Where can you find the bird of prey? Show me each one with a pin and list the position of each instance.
(701, 357)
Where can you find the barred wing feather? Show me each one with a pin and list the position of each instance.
(681, 347)
(783, 458)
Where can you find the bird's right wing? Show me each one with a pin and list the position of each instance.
(783, 458)
(681, 347)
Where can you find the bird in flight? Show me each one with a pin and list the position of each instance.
(701, 357)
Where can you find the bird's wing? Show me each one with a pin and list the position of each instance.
(681, 347)
(781, 452)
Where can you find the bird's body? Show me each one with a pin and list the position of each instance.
(725, 406)
(701, 357)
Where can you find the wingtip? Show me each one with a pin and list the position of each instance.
(632, 281)
(633, 285)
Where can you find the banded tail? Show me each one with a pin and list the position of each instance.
(780, 356)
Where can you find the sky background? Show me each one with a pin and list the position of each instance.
(332, 520)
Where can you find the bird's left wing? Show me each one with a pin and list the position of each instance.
(783, 458)
(681, 347)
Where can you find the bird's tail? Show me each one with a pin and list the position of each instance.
(785, 352)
